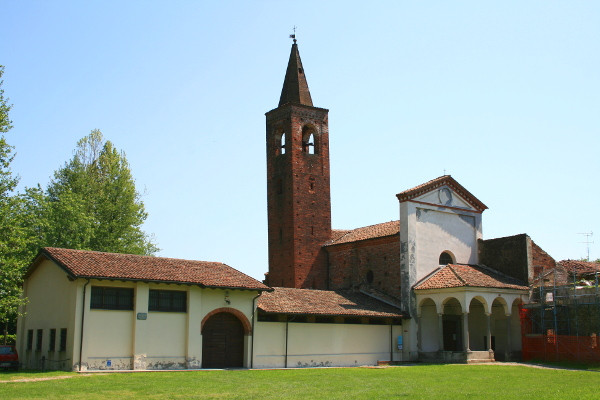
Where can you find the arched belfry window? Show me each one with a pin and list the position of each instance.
(282, 144)
(370, 277)
(309, 143)
(446, 258)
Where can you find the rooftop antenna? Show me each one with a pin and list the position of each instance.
(293, 35)
(587, 242)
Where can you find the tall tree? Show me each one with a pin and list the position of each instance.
(12, 236)
(92, 202)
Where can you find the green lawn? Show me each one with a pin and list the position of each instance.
(416, 382)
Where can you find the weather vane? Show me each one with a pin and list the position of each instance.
(293, 35)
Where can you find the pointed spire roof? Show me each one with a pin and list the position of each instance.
(295, 88)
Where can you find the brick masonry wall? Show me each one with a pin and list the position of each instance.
(298, 197)
(349, 264)
(508, 255)
(542, 261)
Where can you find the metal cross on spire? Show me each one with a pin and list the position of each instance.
(293, 35)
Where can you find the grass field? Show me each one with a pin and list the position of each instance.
(416, 382)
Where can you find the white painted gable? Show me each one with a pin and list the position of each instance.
(445, 197)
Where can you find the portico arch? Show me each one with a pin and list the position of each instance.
(428, 322)
(514, 352)
(452, 330)
(479, 324)
(501, 338)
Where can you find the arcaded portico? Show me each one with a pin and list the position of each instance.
(468, 313)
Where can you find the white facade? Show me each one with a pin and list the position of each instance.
(435, 222)
(457, 323)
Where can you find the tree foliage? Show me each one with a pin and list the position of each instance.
(92, 202)
(12, 233)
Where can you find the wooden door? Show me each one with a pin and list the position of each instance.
(223, 342)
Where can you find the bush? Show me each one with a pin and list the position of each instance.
(8, 339)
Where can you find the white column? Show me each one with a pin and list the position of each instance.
(508, 338)
(440, 332)
(466, 331)
(488, 318)
(419, 334)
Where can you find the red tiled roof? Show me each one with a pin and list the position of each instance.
(364, 233)
(94, 264)
(325, 302)
(462, 275)
(444, 180)
(580, 267)
(338, 233)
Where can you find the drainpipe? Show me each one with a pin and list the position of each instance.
(253, 323)
(82, 317)
(391, 341)
(287, 322)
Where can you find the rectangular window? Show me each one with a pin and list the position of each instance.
(38, 342)
(63, 339)
(111, 298)
(52, 343)
(167, 300)
(30, 339)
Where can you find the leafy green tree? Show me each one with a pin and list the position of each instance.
(92, 202)
(12, 237)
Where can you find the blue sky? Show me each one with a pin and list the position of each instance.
(504, 96)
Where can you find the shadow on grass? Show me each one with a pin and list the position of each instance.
(567, 365)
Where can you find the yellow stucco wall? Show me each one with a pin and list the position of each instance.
(108, 335)
(52, 304)
(164, 340)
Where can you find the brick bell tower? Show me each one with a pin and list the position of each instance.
(298, 197)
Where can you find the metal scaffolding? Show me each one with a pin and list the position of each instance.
(561, 322)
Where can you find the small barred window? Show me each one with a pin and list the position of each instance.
(446, 258)
(168, 300)
(111, 298)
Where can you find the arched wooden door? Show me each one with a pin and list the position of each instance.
(223, 342)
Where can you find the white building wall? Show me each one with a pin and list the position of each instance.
(324, 344)
(442, 230)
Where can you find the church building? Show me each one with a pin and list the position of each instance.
(427, 263)
(425, 286)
